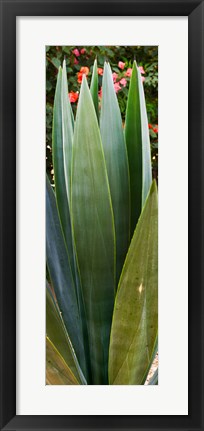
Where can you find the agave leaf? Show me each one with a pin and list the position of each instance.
(133, 136)
(67, 130)
(67, 135)
(154, 379)
(60, 130)
(117, 166)
(93, 229)
(61, 276)
(57, 371)
(135, 317)
(94, 87)
(146, 152)
(138, 146)
(57, 333)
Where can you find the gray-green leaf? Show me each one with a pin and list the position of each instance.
(117, 166)
(93, 229)
(61, 277)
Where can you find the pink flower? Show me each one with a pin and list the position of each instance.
(121, 65)
(73, 97)
(128, 72)
(141, 69)
(117, 87)
(75, 60)
(143, 78)
(123, 82)
(83, 51)
(114, 75)
(76, 52)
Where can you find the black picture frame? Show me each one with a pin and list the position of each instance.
(194, 9)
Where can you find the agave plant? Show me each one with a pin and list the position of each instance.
(101, 239)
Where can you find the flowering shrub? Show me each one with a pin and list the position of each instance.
(79, 61)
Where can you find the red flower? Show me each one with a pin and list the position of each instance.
(100, 71)
(76, 52)
(150, 126)
(73, 97)
(83, 71)
(155, 129)
(83, 51)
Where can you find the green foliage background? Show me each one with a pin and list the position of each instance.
(146, 56)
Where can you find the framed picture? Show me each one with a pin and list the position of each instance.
(176, 30)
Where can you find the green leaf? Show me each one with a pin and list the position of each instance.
(57, 371)
(60, 131)
(117, 166)
(61, 276)
(48, 86)
(55, 62)
(62, 155)
(68, 133)
(67, 49)
(135, 317)
(138, 146)
(94, 87)
(67, 130)
(57, 333)
(133, 137)
(146, 151)
(93, 229)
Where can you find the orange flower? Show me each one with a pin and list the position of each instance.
(83, 71)
(73, 97)
(100, 71)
